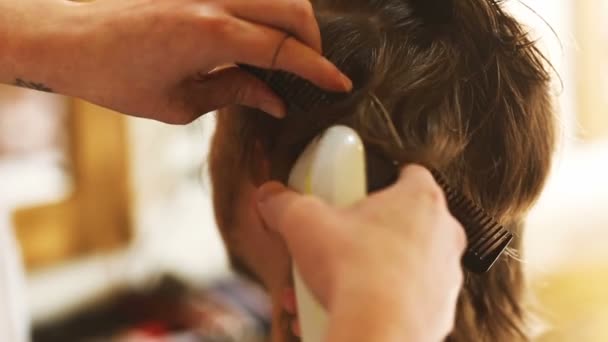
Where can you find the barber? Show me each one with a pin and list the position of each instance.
(173, 61)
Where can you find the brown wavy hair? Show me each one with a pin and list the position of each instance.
(469, 94)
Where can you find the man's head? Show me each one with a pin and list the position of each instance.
(467, 91)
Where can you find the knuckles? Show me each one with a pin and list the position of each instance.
(223, 27)
(217, 23)
(420, 180)
(309, 205)
(461, 237)
(303, 10)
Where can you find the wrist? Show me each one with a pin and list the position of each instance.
(40, 36)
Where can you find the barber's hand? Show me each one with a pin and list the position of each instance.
(395, 255)
(159, 58)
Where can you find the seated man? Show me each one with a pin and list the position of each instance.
(468, 93)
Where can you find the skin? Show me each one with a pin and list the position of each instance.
(126, 56)
(161, 59)
(408, 224)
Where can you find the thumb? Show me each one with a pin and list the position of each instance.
(309, 227)
(297, 218)
(229, 86)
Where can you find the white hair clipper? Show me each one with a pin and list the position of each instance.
(333, 168)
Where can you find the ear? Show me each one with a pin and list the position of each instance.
(277, 325)
(262, 168)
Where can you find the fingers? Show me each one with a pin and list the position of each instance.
(446, 234)
(309, 228)
(275, 203)
(417, 178)
(420, 179)
(305, 223)
(228, 86)
(288, 212)
(303, 61)
(293, 16)
(461, 240)
(417, 188)
(258, 45)
(415, 184)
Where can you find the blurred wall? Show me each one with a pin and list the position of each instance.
(565, 253)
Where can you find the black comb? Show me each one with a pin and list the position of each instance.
(487, 239)
(303, 96)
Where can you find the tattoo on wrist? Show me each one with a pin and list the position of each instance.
(32, 85)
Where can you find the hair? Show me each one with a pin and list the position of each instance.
(469, 94)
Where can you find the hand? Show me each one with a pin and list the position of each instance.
(397, 253)
(164, 59)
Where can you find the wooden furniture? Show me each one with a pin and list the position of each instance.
(96, 216)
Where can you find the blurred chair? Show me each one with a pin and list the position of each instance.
(96, 216)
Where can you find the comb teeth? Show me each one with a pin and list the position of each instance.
(487, 239)
(299, 94)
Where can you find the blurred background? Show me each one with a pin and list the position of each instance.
(113, 217)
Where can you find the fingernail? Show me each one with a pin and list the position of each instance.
(347, 84)
(274, 108)
(268, 190)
